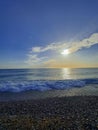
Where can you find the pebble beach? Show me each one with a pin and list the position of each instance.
(64, 113)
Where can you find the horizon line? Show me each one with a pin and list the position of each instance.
(55, 68)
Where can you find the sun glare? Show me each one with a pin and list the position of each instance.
(65, 52)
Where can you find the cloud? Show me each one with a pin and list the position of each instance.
(34, 60)
(73, 47)
(36, 49)
(85, 43)
(35, 56)
(52, 46)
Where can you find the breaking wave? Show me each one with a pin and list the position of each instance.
(43, 85)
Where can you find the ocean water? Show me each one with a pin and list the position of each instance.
(21, 80)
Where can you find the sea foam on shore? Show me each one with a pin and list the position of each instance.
(44, 85)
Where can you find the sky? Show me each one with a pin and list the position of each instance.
(48, 33)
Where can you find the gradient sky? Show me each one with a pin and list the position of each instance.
(33, 33)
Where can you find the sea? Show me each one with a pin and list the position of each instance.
(51, 82)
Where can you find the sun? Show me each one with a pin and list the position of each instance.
(65, 52)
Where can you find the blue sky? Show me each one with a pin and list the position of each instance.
(28, 27)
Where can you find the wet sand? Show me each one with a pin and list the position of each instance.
(58, 113)
(91, 90)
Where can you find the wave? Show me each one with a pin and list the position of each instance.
(43, 85)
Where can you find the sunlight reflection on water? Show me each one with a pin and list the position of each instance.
(47, 74)
(66, 73)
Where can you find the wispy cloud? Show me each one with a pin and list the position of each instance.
(52, 46)
(73, 46)
(85, 43)
(35, 55)
(34, 60)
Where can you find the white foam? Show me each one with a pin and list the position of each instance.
(39, 85)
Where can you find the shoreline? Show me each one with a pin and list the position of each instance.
(30, 95)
